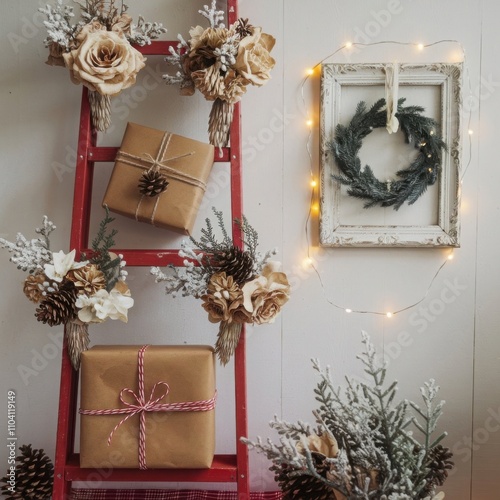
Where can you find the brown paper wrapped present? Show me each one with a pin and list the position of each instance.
(183, 163)
(169, 422)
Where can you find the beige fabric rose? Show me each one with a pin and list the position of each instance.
(265, 295)
(104, 62)
(253, 61)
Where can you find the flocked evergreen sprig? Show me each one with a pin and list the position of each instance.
(363, 446)
(204, 257)
(411, 182)
(63, 30)
(30, 255)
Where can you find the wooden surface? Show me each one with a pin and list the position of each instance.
(452, 336)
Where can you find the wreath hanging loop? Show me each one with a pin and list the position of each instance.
(411, 182)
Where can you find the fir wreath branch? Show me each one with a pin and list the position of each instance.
(413, 181)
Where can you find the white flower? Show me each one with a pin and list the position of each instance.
(103, 305)
(62, 263)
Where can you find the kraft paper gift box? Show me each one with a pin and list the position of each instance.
(173, 439)
(186, 165)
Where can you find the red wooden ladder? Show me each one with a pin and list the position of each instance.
(225, 468)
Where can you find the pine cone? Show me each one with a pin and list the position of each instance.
(88, 279)
(33, 478)
(152, 183)
(33, 287)
(58, 307)
(243, 27)
(235, 263)
(303, 487)
(439, 463)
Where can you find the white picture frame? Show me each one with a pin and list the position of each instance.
(434, 220)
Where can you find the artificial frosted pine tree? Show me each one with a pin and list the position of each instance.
(368, 448)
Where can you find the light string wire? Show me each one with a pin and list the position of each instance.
(314, 183)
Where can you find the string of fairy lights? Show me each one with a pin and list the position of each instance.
(314, 205)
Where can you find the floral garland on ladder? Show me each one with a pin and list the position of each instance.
(97, 49)
(236, 286)
(221, 62)
(71, 293)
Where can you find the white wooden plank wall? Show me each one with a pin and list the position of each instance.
(455, 341)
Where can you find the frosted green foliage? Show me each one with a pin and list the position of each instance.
(31, 254)
(379, 457)
(214, 16)
(62, 30)
(201, 257)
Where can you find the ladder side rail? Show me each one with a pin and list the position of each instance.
(79, 236)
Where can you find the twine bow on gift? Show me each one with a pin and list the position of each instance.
(159, 164)
(141, 406)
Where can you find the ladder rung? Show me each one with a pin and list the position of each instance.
(223, 470)
(146, 257)
(106, 153)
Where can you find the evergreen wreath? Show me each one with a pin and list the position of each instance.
(421, 131)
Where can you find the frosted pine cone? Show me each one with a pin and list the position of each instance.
(439, 466)
(301, 486)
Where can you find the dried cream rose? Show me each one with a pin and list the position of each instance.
(265, 295)
(104, 62)
(325, 444)
(253, 61)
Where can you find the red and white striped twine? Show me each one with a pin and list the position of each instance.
(141, 406)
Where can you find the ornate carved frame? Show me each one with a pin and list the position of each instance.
(446, 233)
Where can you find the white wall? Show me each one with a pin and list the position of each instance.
(460, 347)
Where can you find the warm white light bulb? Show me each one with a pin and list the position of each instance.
(420, 46)
(309, 123)
(313, 183)
(310, 71)
(389, 315)
(308, 262)
(471, 132)
(348, 311)
(348, 45)
(450, 256)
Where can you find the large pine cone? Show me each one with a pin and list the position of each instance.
(152, 183)
(58, 307)
(34, 476)
(303, 487)
(235, 263)
(439, 465)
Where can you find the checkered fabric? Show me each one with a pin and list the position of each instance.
(167, 495)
